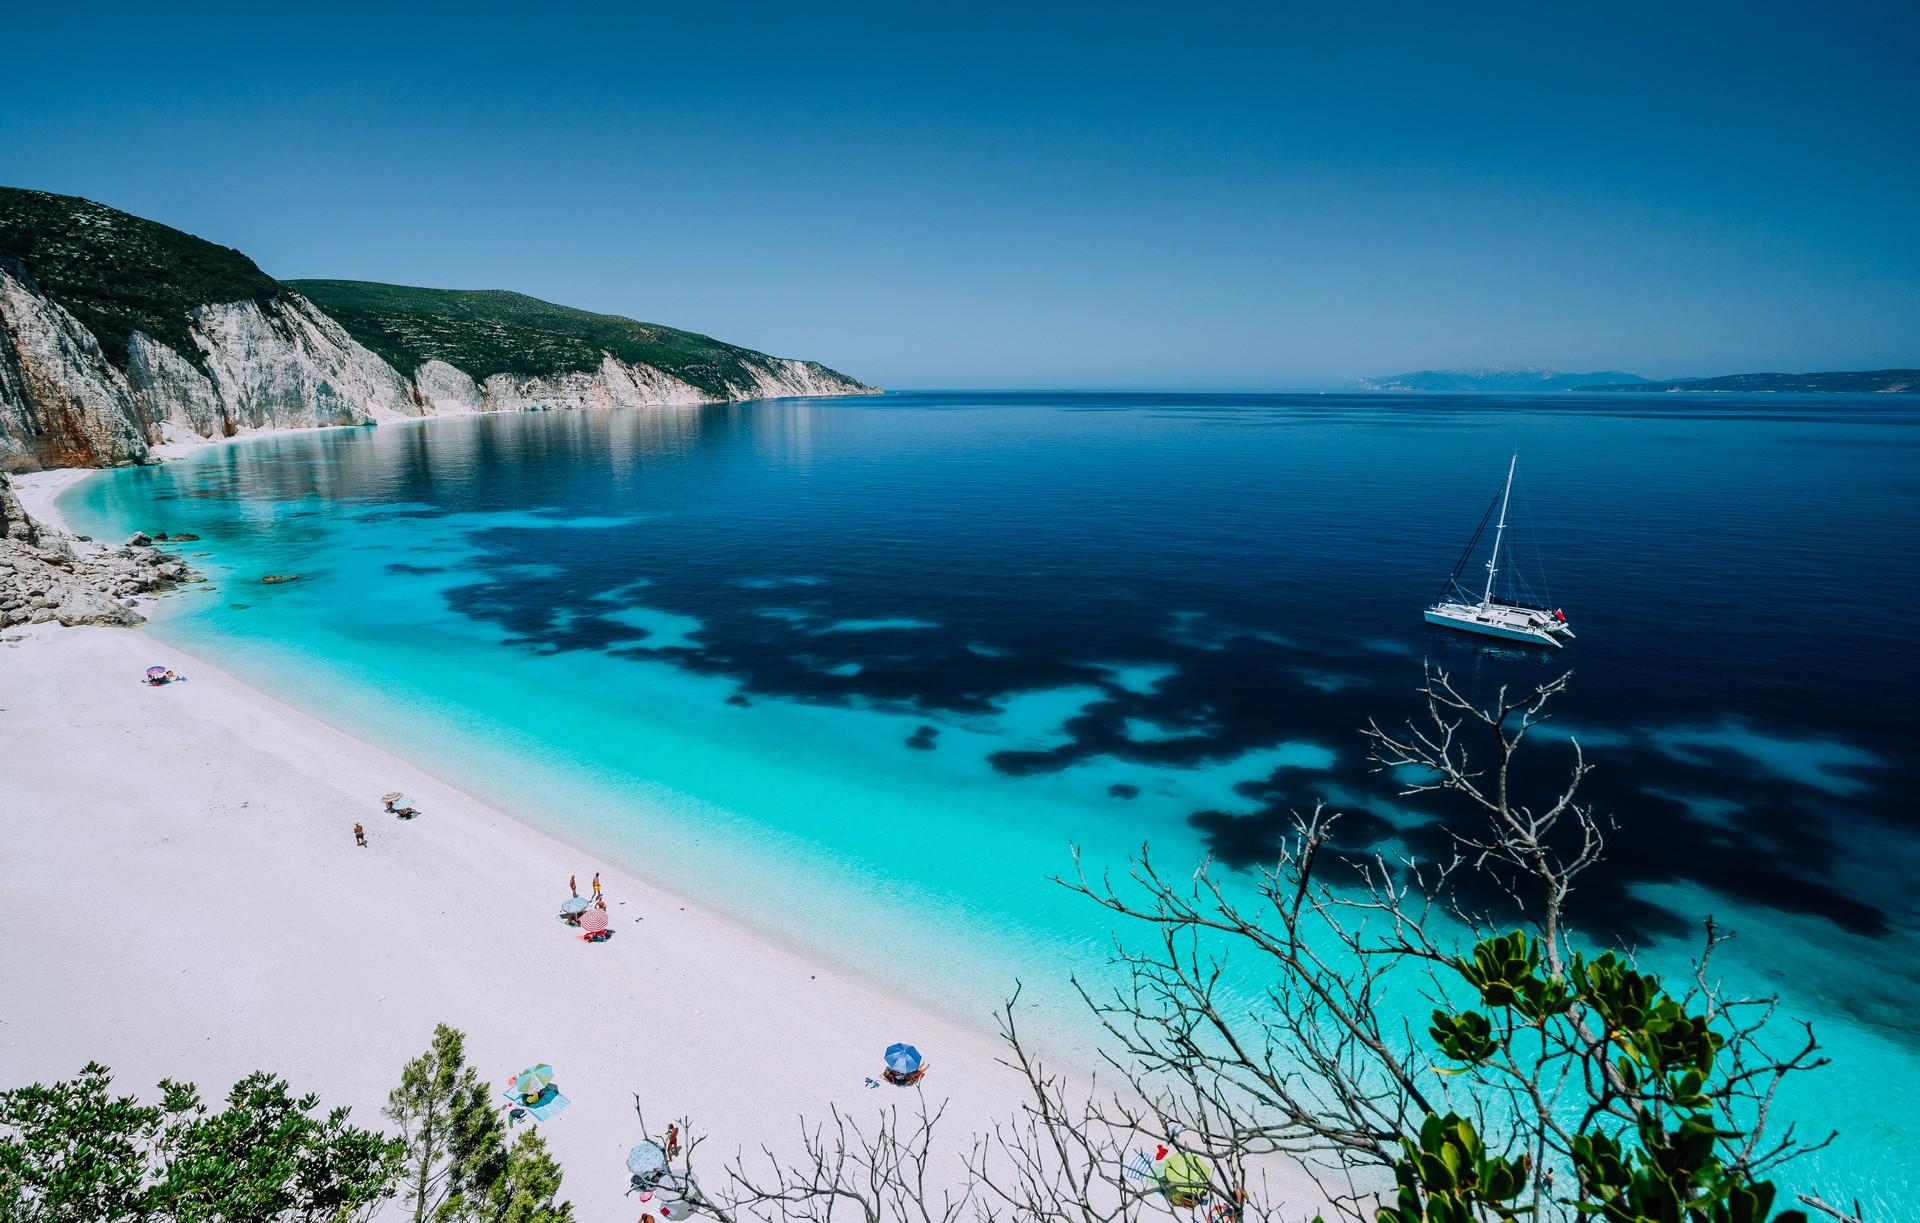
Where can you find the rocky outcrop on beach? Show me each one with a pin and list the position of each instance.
(118, 334)
(50, 576)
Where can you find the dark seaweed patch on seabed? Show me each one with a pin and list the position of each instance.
(1230, 691)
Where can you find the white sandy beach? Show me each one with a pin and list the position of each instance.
(183, 892)
(179, 883)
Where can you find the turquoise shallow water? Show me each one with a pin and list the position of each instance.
(861, 673)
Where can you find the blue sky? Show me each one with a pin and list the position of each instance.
(1106, 195)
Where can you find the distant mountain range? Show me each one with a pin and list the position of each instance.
(1512, 380)
(1833, 382)
(1504, 379)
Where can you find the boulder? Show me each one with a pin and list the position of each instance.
(14, 523)
(92, 607)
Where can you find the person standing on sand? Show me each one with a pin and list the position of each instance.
(596, 887)
(359, 835)
(573, 885)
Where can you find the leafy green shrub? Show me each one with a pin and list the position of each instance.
(75, 1152)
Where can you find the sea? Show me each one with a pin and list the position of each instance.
(870, 675)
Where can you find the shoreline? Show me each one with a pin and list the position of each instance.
(186, 853)
(206, 827)
(206, 830)
(39, 494)
(39, 491)
(294, 683)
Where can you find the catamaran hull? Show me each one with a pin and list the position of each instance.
(1506, 632)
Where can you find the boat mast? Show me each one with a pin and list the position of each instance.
(1499, 530)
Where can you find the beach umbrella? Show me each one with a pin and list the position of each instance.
(156, 672)
(575, 904)
(1185, 1174)
(903, 1059)
(593, 921)
(532, 1081)
(390, 796)
(647, 1161)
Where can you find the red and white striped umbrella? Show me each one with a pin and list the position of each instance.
(593, 921)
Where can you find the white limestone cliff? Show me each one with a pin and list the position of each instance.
(287, 365)
(281, 364)
(615, 384)
(62, 403)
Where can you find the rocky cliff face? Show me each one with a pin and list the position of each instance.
(61, 403)
(442, 389)
(281, 364)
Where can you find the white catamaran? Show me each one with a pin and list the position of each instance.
(1505, 617)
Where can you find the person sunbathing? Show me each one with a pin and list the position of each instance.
(904, 1080)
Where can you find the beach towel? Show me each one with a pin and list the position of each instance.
(550, 1104)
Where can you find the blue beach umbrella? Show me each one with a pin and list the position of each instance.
(647, 1161)
(903, 1059)
(575, 904)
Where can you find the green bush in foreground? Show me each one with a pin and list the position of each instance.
(1652, 1144)
(75, 1151)
(455, 1161)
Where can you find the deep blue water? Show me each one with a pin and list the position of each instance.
(860, 670)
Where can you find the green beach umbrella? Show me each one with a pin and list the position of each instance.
(532, 1081)
(1184, 1174)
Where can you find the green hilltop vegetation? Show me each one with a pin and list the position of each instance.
(493, 331)
(118, 273)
